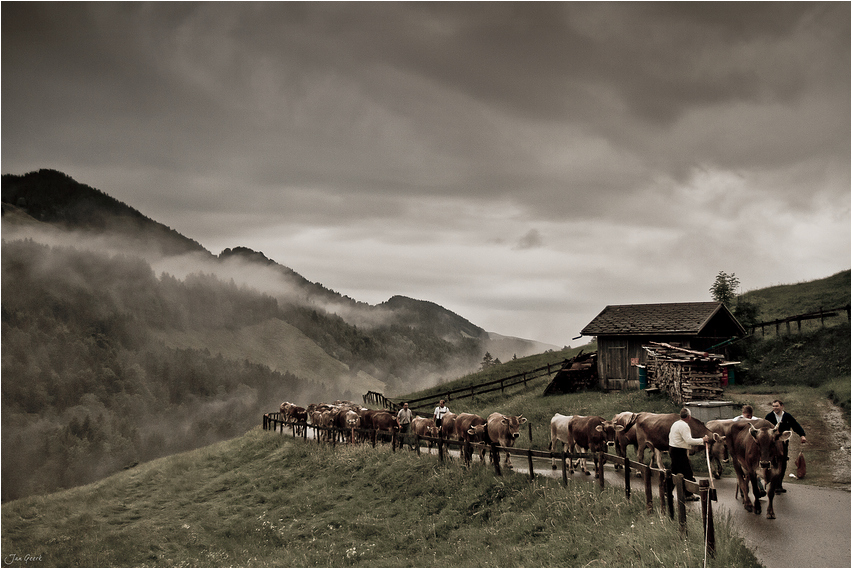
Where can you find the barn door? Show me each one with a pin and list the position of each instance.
(617, 363)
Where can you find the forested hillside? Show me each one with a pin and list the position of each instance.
(86, 388)
(108, 361)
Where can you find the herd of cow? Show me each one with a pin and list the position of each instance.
(754, 446)
(348, 418)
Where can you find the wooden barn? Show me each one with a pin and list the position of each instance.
(622, 330)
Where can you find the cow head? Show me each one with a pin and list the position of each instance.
(478, 432)
(513, 424)
(769, 444)
(353, 420)
(609, 430)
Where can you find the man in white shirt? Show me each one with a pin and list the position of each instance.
(440, 411)
(680, 439)
(748, 413)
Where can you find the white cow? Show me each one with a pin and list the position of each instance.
(559, 432)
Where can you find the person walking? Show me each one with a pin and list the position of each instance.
(785, 422)
(404, 417)
(747, 413)
(680, 439)
(440, 411)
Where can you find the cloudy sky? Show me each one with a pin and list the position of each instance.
(523, 165)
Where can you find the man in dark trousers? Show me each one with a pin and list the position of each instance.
(786, 422)
(404, 417)
(680, 440)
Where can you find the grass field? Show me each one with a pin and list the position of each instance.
(266, 500)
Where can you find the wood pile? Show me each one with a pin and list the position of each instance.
(580, 372)
(686, 375)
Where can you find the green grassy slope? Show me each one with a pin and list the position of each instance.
(787, 300)
(506, 369)
(266, 500)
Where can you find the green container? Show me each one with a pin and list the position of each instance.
(731, 376)
(643, 377)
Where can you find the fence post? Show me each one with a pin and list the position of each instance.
(666, 491)
(707, 517)
(564, 469)
(649, 493)
(529, 458)
(599, 470)
(495, 458)
(441, 446)
(681, 502)
(627, 476)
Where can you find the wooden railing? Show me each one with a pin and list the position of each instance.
(671, 489)
(463, 392)
(820, 315)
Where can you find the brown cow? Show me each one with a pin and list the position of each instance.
(757, 447)
(503, 430)
(593, 434)
(423, 427)
(719, 449)
(385, 421)
(652, 429)
(298, 415)
(465, 430)
(346, 420)
(627, 436)
(448, 426)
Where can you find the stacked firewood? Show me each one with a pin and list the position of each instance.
(686, 375)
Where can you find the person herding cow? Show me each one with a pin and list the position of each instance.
(680, 439)
(785, 422)
(440, 411)
(404, 417)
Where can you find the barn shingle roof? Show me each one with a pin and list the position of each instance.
(680, 318)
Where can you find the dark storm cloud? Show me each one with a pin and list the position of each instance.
(303, 128)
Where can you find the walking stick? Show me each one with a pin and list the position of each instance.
(710, 472)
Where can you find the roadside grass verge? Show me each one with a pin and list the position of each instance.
(267, 500)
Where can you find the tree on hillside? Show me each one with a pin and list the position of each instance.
(724, 288)
(487, 360)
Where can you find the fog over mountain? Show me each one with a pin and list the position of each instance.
(124, 340)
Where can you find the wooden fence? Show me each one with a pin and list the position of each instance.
(820, 315)
(429, 401)
(671, 489)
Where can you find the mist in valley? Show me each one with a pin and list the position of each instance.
(95, 379)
